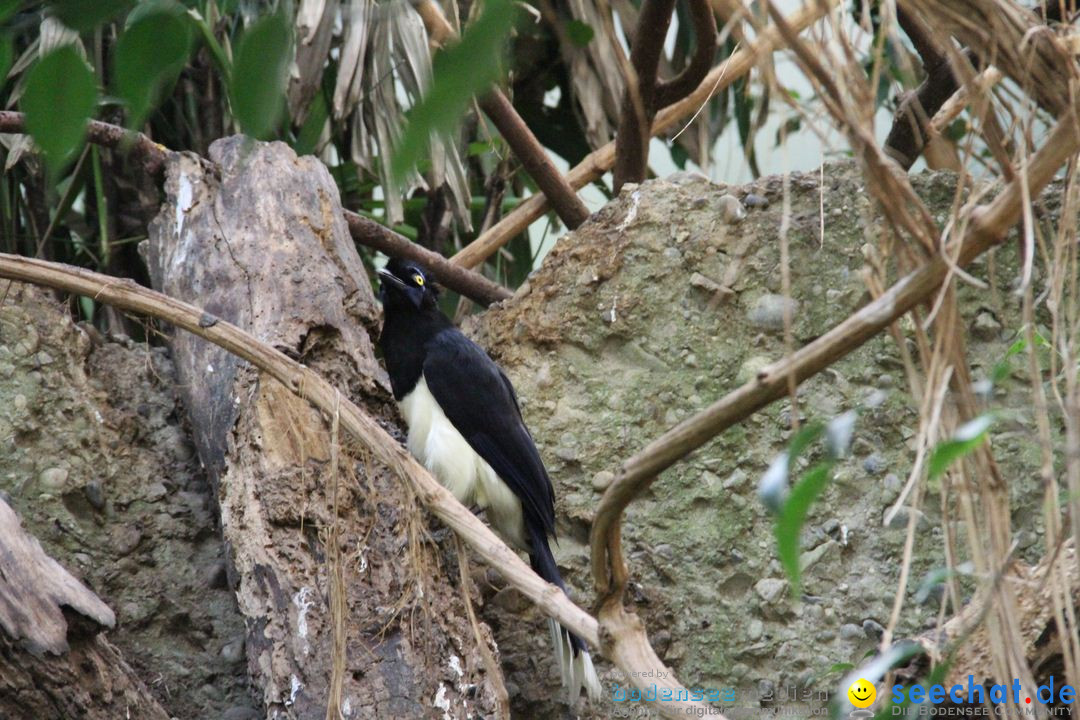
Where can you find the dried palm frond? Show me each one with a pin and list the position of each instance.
(384, 68)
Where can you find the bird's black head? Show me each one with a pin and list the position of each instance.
(406, 284)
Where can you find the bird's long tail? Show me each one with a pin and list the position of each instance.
(575, 664)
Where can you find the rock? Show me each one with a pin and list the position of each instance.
(53, 480)
(156, 491)
(769, 589)
(768, 311)
(874, 464)
(750, 368)
(602, 479)
(566, 454)
(125, 538)
(233, 652)
(850, 631)
(241, 712)
(732, 209)
(1025, 539)
(753, 200)
(215, 575)
(892, 483)
(986, 327)
(755, 629)
(95, 494)
(900, 520)
(873, 629)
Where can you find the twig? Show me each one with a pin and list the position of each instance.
(366, 232)
(987, 227)
(468, 282)
(602, 159)
(619, 641)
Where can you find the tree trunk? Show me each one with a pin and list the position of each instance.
(54, 659)
(260, 241)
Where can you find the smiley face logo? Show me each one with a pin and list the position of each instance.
(862, 693)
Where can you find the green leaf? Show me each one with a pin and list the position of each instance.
(308, 138)
(968, 437)
(792, 517)
(581, 34)
(82, 15)
(60, 95)
(260, 73)
(149, 57)
(469, 67)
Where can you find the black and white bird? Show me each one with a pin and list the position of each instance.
(465, 426)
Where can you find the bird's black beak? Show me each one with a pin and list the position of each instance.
(390, 280)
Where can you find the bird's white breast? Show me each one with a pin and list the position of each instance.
(437, 444)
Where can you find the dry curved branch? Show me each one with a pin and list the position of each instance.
(678, 87)
(602, 159)
(621, 640)
(987, 227)
(368, 233)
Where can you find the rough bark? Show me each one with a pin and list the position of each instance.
(265, 246)
(54, 659)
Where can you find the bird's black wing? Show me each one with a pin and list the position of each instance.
(480, 403)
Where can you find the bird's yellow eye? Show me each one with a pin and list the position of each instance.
(418, 279)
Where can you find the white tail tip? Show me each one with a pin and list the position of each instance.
(577, 672)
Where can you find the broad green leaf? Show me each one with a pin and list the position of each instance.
(260, 72)
(149, 57)
(469, 67)
(968, 437)
(308, 137)
(581, 34)
(60, 95)
(84, 15)
(793, 516)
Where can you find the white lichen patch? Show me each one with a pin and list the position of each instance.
(442, 702)
(303, 602)
(184, 194)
